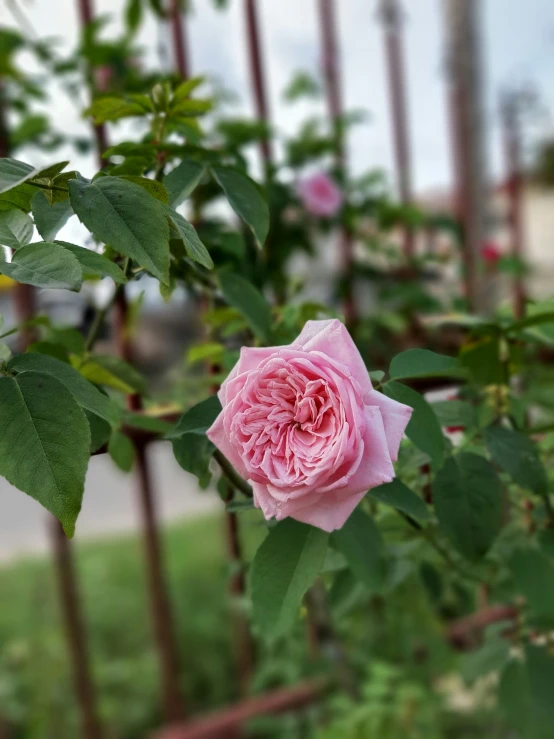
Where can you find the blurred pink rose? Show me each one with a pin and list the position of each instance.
(319, 195)
(490, 253)
(303, 424)
(102, 78)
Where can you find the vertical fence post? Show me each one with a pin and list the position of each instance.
(510, 113)
(466, 112)
(390, 13)
(330, 63)
(257, 75)
(159, 600)
(24, 299)
(180, 39)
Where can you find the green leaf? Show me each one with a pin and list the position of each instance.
(113, 109)
(360, 542)
(195, 248)
(100, 431)
(93, 264)
(514, 697)
(469, 503)
(424, 428)
(198, 419)
(517, 455)
(533, 574)
(13, 173)
(182, 180)
(540, 669)
(482, 359)
(127, 218)
(285, 565)
(491, 657)
(242, 295)
(20, 197)
(121, 450)
(188, 108)
(49, 219)
(194, 453)
(88, 396)
(376, 375)
(106, 369)
(156, 189)
(16, 228)
(44, 443)
(399, 496)
(133, 15)
(245, 199)
(147, 423)
(44, 265)
(184, 90)
(423, 363)
(455, 413)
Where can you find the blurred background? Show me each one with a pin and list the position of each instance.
(463, 131)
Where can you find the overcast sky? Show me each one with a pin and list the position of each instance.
(518, 46)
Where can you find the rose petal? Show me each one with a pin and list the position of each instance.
(250, 357)
(331, 338)
(396, 417)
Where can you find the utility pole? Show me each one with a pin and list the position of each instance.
(463, 58)
(391, 16)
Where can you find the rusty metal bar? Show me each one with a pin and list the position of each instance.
(331, 72)
(75, 629)
(86, 14)
(180, 39)
(467, 133)
(391, 16)
(257, 75)
(510, 111)
(162, 619)
(221, 724)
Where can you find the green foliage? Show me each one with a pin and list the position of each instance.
(400, 496)
(469, 503)
(123, 215)
(198, 419)
(45, 265)
(85, 393)
(49, 217)
(423, 363)
(518, 456)
(360, 542)
(242, 295)
(182, 180)
(44, 443)
(285, 565)
(194, 247)
(93, 264)
(16, 228)
(424, 428)
(121, 450)
(245, 199)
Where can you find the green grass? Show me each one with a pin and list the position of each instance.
(36, 694)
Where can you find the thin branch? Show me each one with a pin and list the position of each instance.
(232, 475)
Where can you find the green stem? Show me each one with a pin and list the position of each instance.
(47, 187)
(232, 475)
(101, 313)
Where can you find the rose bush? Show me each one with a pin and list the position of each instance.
(304, 425)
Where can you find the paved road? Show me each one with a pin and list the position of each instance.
(109, 504)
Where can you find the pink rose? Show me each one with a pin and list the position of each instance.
(490, 253)
(319, 195)
(304, 425)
